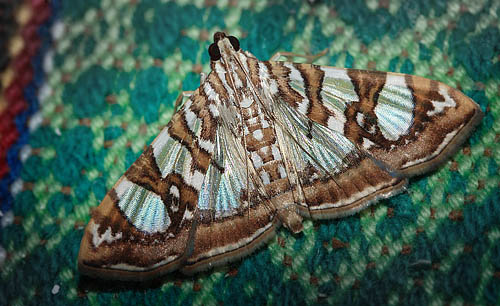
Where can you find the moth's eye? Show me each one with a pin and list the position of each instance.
(214, 52)
(235, 42)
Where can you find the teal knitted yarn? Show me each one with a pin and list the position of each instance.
(113, 70)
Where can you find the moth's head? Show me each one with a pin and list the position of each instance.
(224, 47)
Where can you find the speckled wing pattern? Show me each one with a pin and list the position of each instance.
(260, 144)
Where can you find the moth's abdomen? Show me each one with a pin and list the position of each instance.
(261, 145)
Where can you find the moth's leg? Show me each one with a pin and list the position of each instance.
(182, 95)
(289, 55)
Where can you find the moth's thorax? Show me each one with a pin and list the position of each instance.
(253, 124)
(233, 74)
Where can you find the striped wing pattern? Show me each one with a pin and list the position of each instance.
(333, 178)
(408, 122)
(260, 144)
(145, 225)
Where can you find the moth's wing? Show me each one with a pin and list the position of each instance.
(145, 225)
(234, 216)
(408, 122)
(330, 176)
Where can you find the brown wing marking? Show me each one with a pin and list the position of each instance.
(136, 255)
(228, 239)
(112, 247)
(313, 78)
(349, 191)
(436, 129)
(431, 138)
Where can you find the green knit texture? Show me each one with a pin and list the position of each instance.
(112, 77)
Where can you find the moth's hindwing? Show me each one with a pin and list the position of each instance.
(410, 123)
(146, 223)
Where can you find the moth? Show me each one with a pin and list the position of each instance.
(267, 143)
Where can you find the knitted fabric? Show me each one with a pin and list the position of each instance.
(20, 81)
(105, 76)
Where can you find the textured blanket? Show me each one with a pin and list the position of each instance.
(96, 81)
